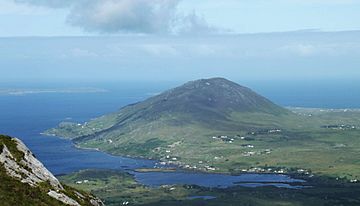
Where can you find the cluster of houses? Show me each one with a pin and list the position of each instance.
(251, 153)
(190, 167)
(82, 181)
(248, 154)
(170, 158)
(210, 168)
(264, 170)
(265, 131)
(246, 138)
(340, 127)
(351, 180)
(275, 131)
(247, 145)
(274, 170)
(125, 203)
(202, 165)
(228, 139)
(224, 138)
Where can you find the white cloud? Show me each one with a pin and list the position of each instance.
(128, 16)
(10, 8)
(49, 3)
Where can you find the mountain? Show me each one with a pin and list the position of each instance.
(25, 181)
(206, 101)
(188, 115)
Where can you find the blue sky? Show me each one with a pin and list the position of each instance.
(121, 40)
(36, 18)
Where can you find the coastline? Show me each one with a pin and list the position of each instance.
(178, 167)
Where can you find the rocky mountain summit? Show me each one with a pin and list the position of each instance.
(20, 169)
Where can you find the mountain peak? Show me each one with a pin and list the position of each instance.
(217, 94)
(215, 81)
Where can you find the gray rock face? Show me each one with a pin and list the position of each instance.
(63, 198)
(38, 173)
(31, 171)
(96, 202)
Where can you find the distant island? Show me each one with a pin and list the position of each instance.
(40, 91)
(216, 125)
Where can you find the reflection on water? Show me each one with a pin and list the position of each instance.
(216, 180)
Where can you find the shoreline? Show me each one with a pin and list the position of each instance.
(179, 168)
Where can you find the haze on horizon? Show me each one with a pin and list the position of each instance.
(110, 40)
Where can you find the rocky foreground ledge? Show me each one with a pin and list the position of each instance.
(22, 176)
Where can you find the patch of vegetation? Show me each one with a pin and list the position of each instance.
(13, 192)
(83, 198)
(11, 144)
(142, 149)
(72, 130)
(115, 188)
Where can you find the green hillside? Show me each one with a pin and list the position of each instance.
(218, 125)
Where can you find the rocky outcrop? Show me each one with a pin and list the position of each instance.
(63, 198)
(23, 166)
(29, 169)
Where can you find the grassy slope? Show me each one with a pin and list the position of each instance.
(301, 144)
(117, 187)
(13, 192)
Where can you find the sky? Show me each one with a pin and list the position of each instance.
(91, 17)
(118, 40)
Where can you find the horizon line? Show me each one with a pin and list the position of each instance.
(301, 31)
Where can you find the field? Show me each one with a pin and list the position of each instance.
(117, 188)
(319, 141)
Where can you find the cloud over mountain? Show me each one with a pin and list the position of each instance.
(128, 16)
